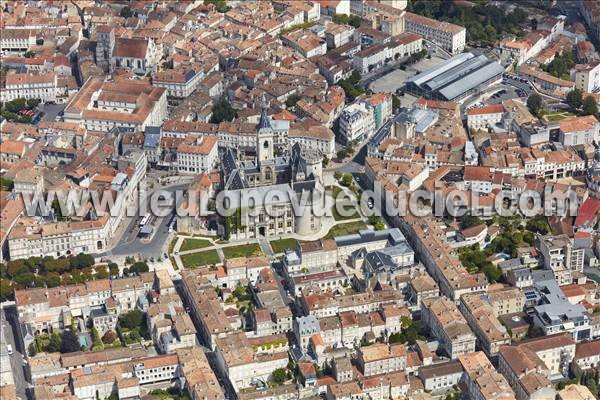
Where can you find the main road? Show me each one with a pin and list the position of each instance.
(10, 326)
(128, 246)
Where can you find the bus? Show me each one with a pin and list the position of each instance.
(145, 220)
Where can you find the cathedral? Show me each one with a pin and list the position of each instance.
(299, 173)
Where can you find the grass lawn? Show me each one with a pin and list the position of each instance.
(335, 190)
(281, 245)
(192, 244)
(557, 116)
(194, 260)
(345, 229)
(348, 208)
(247, 250)
(172, 244)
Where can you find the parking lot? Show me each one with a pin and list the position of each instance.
(395, 79)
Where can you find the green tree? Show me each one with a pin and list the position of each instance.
(492, 272)
(69, 343)
(534, 332)
(82, 260)
(109, 337)
(347, 179)
(139, 267)
(535, 103)
(355, 21)
(6, 184)
(29, 54)
(590, 106)
(574, 98)
(279, 375)
(396, 104)
(220, 5)
(6, 291)
(126, 12)
(54, 344)
(292, 100)
(469, 221)
(397, 337)
(341, 19)
(222, 111)
(32, 350)
(538, 224)
(132, 319)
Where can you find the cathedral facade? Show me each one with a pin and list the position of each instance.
(274, 184)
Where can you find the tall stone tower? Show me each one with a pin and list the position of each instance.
(264, 135)
(104, 46)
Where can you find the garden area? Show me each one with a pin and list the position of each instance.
(347, 228)
(246, 250)
(132, 327)
(349, 210)
(514, 233)
(171, 393)
(193, 244)
(241, 297)
(281, 245)
(411, 331)
(555, 116)
(208, 257)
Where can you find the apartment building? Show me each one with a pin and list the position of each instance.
(544, 80)
(525, 372)
(444, 320)
(507, 300)
(156, 369)
(312, 256)
(382, 107)
(381, 358)
(553, 312)
(197, 154)
(206, 310)
(587, 356)
(549, 356)
(315, 137)
(338, 35)
(484, 117)
(17, 41)
(129, 104)
(431, 246)
(579, 130)
(560, 253)
(200, 380)
(29, 238)
(178, 83)
(236, 359)
(440, 378)
(587, 77)
(449, 36)
(325, 304)
(47, 309)
(305, 42)
(43, 86)
(482, 380)
(379, 54)
(479, 313)
(357, 123)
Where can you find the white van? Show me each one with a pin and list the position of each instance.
(9, 348)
